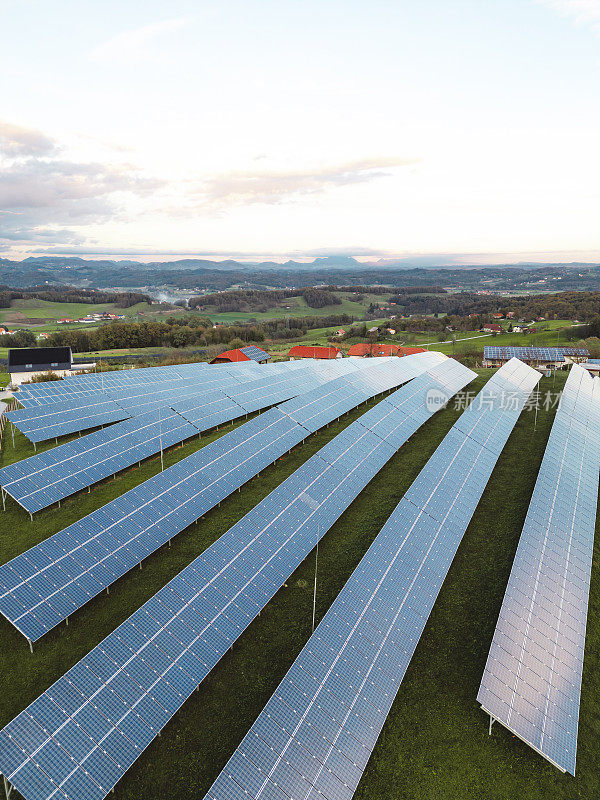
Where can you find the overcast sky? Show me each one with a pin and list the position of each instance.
(465, 131)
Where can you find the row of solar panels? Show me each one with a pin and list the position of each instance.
(46, 584)
(72, 414)
(83, 733)
(532, 678)
(79, 384)
(532, 353)
(43, 479)
(316, 734)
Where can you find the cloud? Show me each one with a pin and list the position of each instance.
(136, 44)
(17, 141)
(241, 188)
(40, 194)
(584, 11)
(65, 187)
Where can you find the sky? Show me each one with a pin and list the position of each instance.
(434, 132)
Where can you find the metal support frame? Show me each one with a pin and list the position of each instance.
(8, 787)
(492, 720)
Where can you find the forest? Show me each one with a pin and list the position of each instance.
(70, 294)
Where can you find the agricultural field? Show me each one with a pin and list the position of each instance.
(42, 315)
(435, 744)
(299, 308)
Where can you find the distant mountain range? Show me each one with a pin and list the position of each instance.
(197, 274)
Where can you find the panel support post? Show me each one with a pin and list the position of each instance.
(30, 645)
(13, 433)
(3, 500)
(492, 720)
(7, 788)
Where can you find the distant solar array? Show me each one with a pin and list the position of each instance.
(532, 679)
(47, 583)
(79, 738)
(532, 353)
(316, 734)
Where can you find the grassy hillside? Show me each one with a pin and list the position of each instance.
(434, 745)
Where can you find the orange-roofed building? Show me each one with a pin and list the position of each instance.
(410, 351)
(373, 350)
(250, 353)
(305, 351)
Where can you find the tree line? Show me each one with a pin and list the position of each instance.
(70, 294)
(176, 332)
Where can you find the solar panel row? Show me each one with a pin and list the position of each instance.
(47, 583)
(80, 737)
(532, 353)
(73, 385)
(59, 416)
(532, 679)
(74, 413)
(43, 479)
(316, 734)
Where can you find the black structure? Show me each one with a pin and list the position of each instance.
(39, 359)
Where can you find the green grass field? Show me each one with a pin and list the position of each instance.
(435, 744)
(43, 315)
(299, 308)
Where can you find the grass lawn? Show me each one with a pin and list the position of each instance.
(435, 744)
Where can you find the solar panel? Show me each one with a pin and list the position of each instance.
(77, 412)
(541, 354)
(316, 734)
(57, 419)
(532, 678)
(47, 583)
(255, 353)
(84, 732)
(43, 479)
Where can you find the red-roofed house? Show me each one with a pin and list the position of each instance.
(490, 327)
(306, 351)
(410, 351)
(373, 350)
(250, 353)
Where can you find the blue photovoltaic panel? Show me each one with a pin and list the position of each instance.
(532, 678)
(255, 353)
(59, 421)
(47, 583)
(84, 732)
(316, 734)
(532, 353)
(76, 412)
(43, 479)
